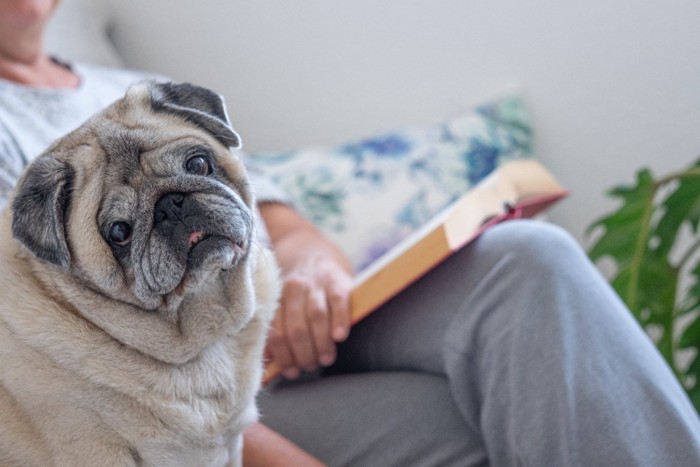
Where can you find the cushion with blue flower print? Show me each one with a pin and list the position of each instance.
(369, 194)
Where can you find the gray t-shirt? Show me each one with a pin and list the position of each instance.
(32, 118)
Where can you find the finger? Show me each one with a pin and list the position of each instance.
(278, 349)
(296, 326)
(318, 317)
(338, 296)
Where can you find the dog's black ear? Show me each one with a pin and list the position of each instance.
(39, 209)
(199, 105)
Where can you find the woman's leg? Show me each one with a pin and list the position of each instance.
(380, 419)
(544, 363)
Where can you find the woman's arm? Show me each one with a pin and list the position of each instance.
(313, 316)
(317, 280)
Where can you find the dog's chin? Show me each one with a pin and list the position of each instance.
(208, 257)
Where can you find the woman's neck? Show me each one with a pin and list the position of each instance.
(43, 72)
(26, 63)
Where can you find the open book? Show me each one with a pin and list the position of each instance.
(519, 188)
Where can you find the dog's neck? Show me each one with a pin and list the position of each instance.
(174, 333)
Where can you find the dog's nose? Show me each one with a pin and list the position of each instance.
(169, 207)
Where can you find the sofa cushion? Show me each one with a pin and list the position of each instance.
(368, 194)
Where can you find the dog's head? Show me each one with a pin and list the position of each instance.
(145, 201)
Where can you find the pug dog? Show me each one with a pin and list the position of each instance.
(134, 294)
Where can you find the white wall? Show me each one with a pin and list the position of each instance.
(613, 84)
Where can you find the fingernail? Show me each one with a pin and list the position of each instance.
(326, 360)
(290, 373)
(340, 334)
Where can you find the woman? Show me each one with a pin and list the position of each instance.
(514, 351)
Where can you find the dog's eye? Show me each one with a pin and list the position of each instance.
(120, 233)
(198, 165)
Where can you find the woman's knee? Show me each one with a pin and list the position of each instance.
(531, 245)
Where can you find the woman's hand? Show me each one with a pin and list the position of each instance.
(314, 308)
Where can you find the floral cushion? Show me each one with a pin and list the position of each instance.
(369, 194)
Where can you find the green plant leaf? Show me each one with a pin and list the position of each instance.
(691, 382)
(681, 206)
(624, 226)
(639, 237)
(625, 239)
(691, 301)
(691, 336)
(654, 293)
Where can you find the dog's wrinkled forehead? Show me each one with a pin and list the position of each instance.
(152, 112)
(201, 107)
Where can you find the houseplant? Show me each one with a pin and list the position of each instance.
(653, 242)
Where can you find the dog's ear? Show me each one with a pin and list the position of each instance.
(39, 209)
(199, 105)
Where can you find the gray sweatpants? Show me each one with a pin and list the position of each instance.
(515, 351)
